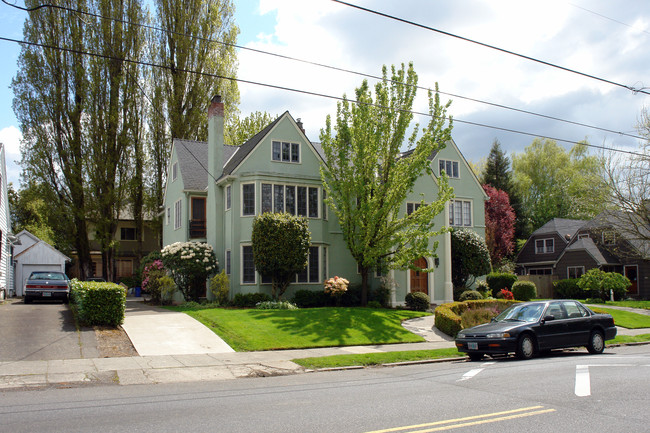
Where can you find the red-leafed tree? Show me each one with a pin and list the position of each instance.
(499, 224)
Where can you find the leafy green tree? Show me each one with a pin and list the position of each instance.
(280, 248)
(31, 210)
(367, 177)
(470, 257)
(597, 283)
(554, 183)
(238, 131)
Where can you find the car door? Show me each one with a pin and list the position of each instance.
(553, 333)
(578, 324)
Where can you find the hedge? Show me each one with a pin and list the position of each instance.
(97, 303)
(567, 289)
(500, 280)
(524, 290)
(447, 316)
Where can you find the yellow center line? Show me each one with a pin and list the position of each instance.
(509, 414)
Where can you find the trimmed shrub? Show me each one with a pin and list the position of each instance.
(524, 290)
(374, 304)
(352, 297)
(448, 316)
(249, 300)
(220, 287)
(418, 301)
(594, 301)
(500, 280)
(310, 299)
(597, 284)
(468, 295)
(478, 316)
(567, 289)
(470, 257)
(96, 303)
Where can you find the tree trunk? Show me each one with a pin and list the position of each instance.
(364, 286)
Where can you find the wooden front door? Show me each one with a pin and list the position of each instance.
(631, 272)
(420, 280)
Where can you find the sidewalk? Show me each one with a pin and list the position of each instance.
(169, 355)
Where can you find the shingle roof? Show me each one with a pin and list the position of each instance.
(193, 162)
(560, 226)
(587, 244)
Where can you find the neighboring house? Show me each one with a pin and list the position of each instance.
(127, 239)
(601, 243)
(33, 254)
(277, 170)
(7, 239)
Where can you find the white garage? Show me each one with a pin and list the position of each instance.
(33, 254)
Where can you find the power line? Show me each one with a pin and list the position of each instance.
(442, 32)
(606, 17)
(322, 65)
(305, 92)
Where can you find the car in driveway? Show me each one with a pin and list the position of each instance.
(532, 327)
(46, 285)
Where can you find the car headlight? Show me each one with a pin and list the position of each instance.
(498, 335)
(460, 335)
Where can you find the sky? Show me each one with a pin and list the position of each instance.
(596, 37)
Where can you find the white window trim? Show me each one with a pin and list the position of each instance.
(227, 205)
(544, 248)
(609, 233)
(319, 199)
(583, 236)
(539, 269)
(416, 205)
(290, 152)
(169, 215)
(130, 240)
(462, 210)
(174, 171)
(178, 214)
(322, 249)
(241, 267)
(449, 175)
(241, 195)
(574, 267)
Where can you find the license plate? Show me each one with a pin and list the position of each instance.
(46, 294)
(472, 346)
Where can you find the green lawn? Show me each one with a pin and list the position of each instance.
(376, 358)
(249, 329)
(626, 319)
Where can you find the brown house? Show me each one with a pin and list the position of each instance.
(568, 248)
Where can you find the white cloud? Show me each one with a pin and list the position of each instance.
(10, 137)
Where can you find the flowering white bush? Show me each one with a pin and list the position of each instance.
(190, 263)
(336, 286)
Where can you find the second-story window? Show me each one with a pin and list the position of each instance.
(411, 207)
(248, 199)
(128, 234)
(460, 213)
(544, 246)
(285, 152)
(296, 200)
(449, 167)
(174, 171)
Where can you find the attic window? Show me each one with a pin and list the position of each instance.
(174, 171)
(284, 151)
(609, 238)
(449, 167)
(544, 246)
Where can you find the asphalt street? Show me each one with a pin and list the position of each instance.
(503, 395)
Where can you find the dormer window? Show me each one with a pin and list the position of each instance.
(284, 151)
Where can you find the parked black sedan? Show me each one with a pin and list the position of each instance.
(530, 327)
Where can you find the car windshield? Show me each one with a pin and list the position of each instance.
(47, 276)
(521, 313)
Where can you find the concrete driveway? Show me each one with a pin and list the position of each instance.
(42, 331)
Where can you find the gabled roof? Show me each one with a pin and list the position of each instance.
(38, 242)
(561, 226)
(588, 245)
(626, 224)
(193, 162)
(242, 151)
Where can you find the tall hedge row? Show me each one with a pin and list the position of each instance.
(98, 303)
(447, 316)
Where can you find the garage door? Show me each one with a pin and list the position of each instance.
(28, 269)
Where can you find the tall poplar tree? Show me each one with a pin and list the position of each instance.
(367, 177)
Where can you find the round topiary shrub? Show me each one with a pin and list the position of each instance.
(417, 301)
(524, 290)
(471, 295)
(500, 280)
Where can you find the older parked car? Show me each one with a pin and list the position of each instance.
(530, 327)
(47, 285)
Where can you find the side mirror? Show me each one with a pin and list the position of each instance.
(549, 318)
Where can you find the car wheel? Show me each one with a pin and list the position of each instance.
(596, 343)
(473, 356)
(525, 347)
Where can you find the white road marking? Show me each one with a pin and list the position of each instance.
(583, 380)
(470, 374)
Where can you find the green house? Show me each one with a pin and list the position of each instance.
(214, 191)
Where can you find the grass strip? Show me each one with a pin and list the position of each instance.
(622, 339)
(252, 330)
(625, 319)
(366, 359)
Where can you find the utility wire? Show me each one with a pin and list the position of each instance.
(349, 71)
(306, 92)
(442, 32)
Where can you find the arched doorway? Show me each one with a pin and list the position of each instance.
(419, 279)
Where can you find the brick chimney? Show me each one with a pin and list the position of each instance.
(299, 123)
(215, 138)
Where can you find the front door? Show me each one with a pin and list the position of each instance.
(631, 272)
(419, 279)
